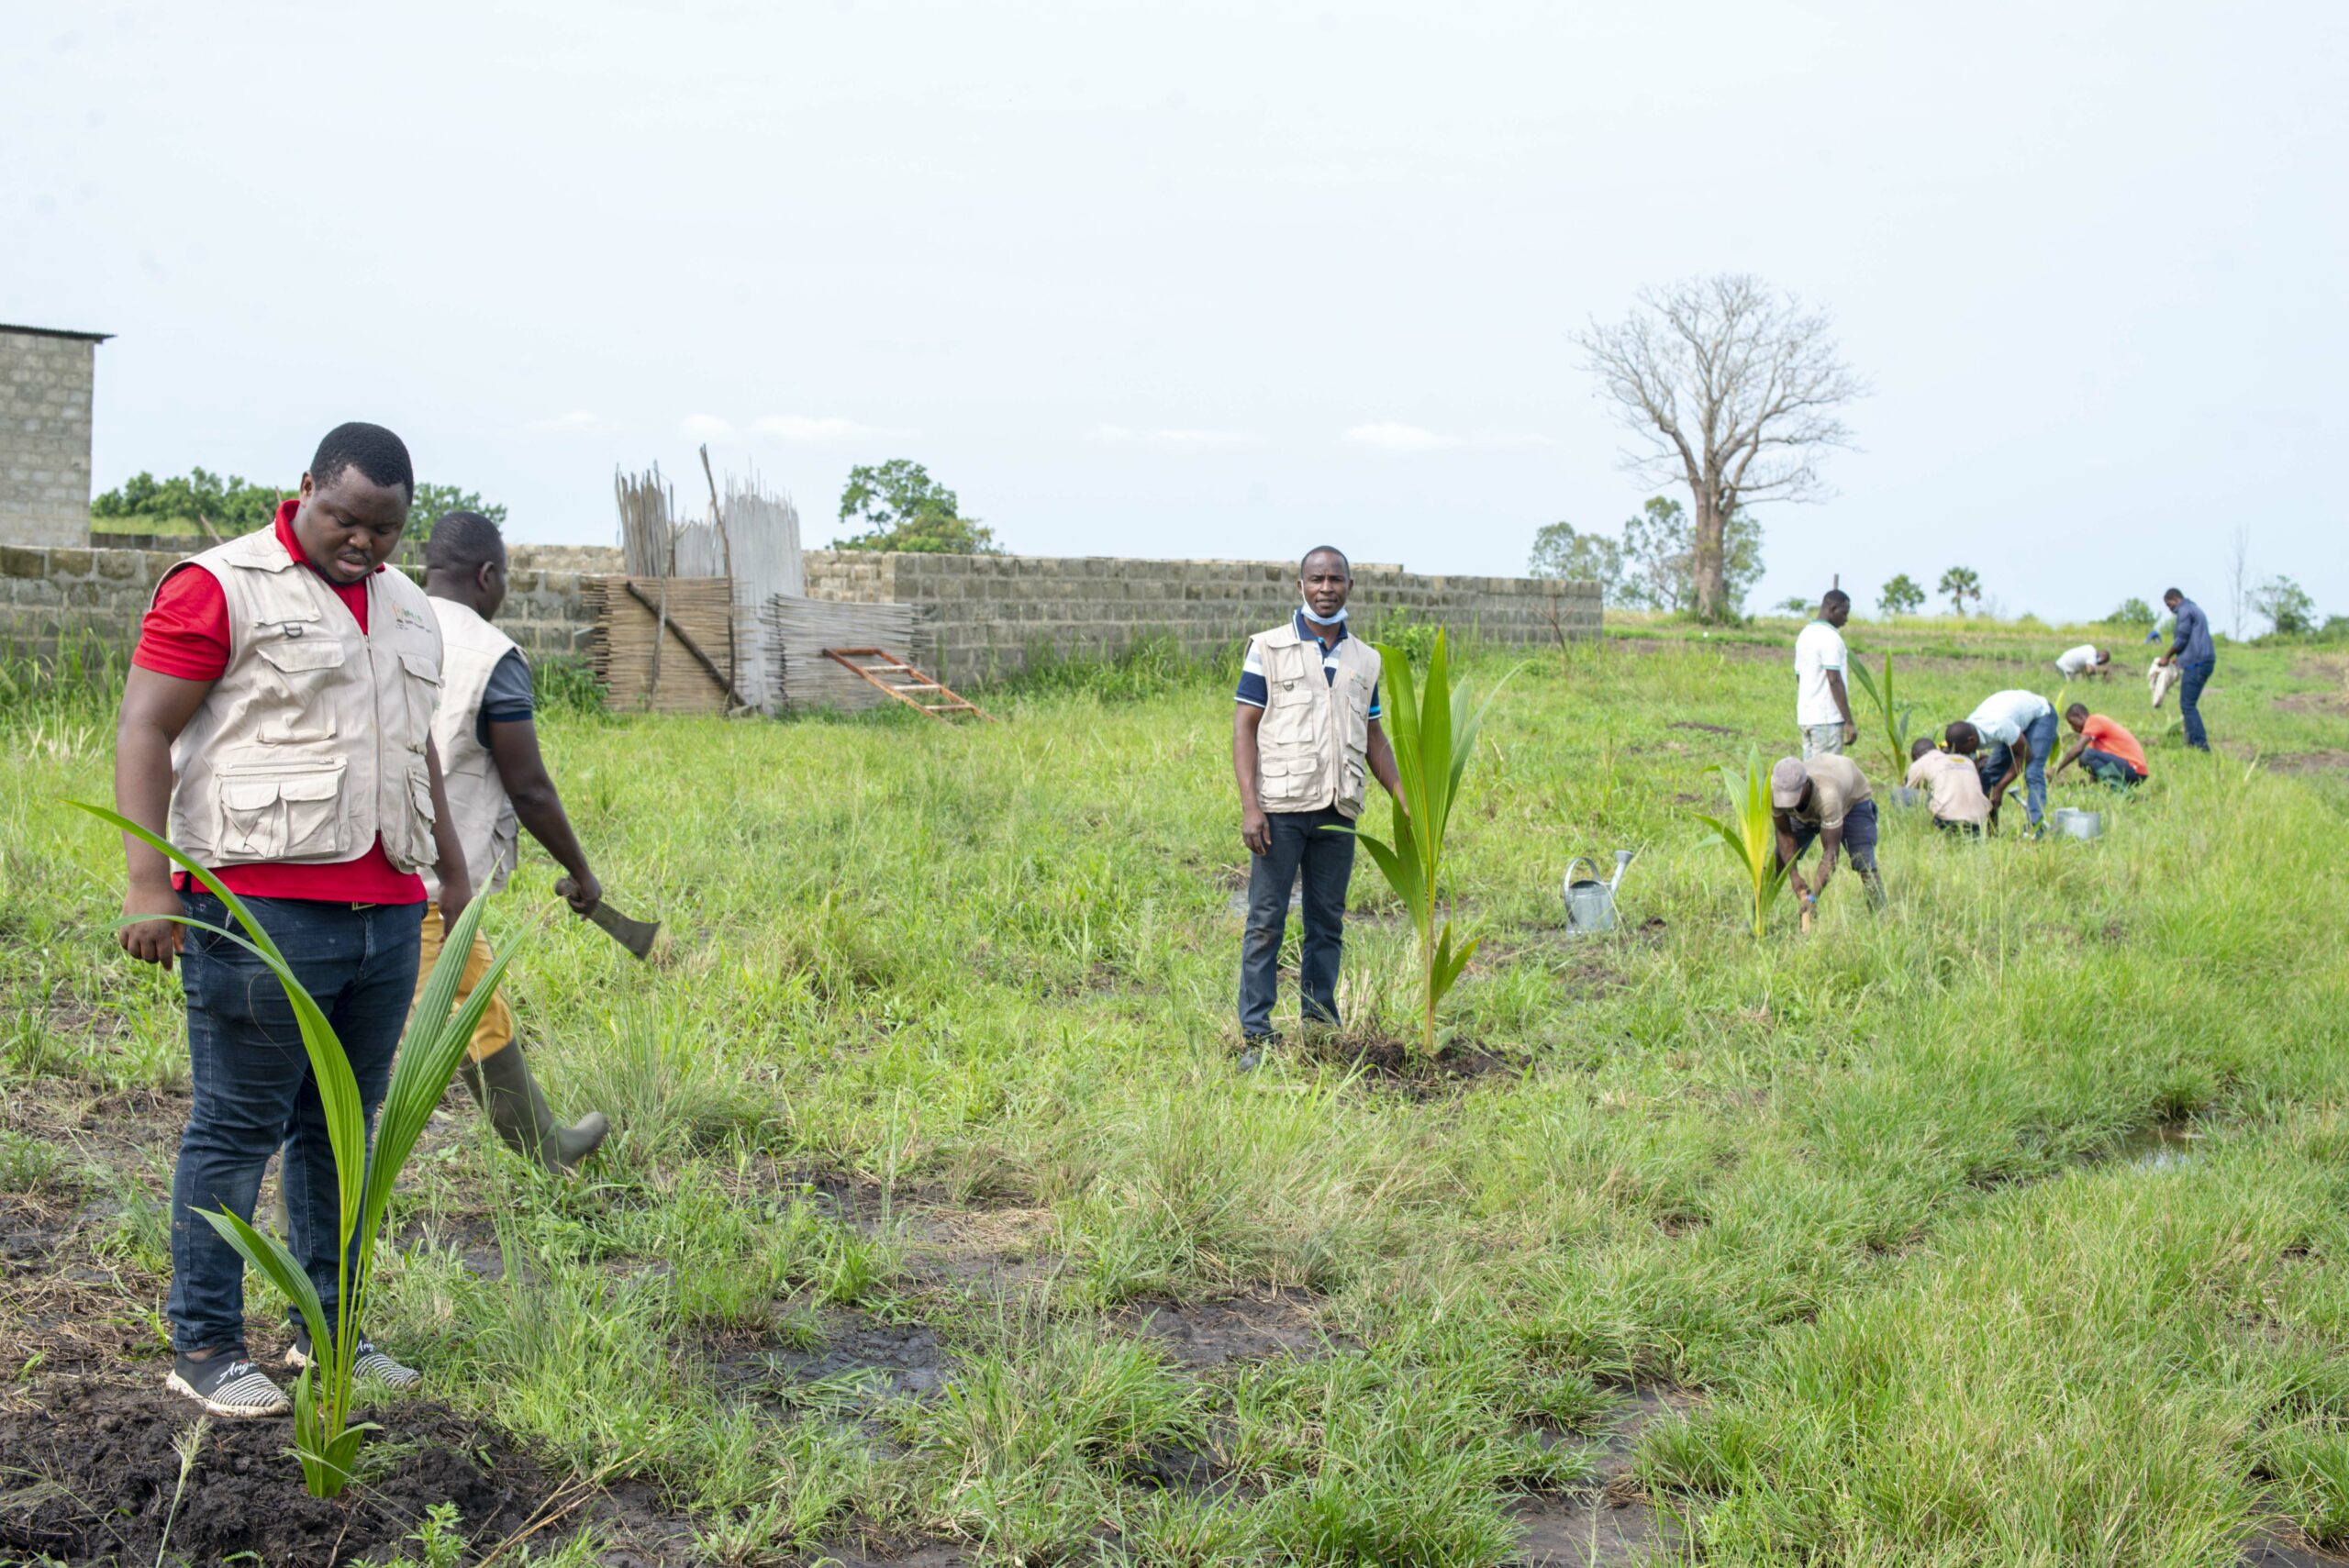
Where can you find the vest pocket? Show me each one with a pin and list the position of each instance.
(281, 814)
(408, 834)
(423, 683)
(301, 669)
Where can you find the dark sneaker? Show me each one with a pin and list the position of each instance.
(227, 1383)
(370, 1365)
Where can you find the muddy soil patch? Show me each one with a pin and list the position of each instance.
(1612, 1520)
(1708, 728)
(92, 1471)
(1393, 1064)
(2327, 761)
(1237, 1328)
(844, 1347)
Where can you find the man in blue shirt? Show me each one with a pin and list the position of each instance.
(2192, 651)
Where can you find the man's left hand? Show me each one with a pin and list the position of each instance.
(1851, 732)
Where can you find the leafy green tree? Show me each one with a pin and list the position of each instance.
(228, 506)
(903, 508)
(2132, 612)
(2287, 606)
(1796, 604)
(1901, 596)
(1560, 551)
(1960, 584)
(434, 502)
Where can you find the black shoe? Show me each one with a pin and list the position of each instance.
(1253, 1048)
(369, 1365)
(228, 1384)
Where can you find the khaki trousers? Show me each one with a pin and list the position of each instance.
(495, 1031)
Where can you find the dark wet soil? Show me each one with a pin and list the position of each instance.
(1248, 1327)
(91, 1472)
(878, 1358)
(1708, 728)
(2309, 762)
(1612, 1521)
(1401, 1066)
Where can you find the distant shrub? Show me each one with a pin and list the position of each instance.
(564, 684)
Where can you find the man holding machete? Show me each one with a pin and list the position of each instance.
(497, 782)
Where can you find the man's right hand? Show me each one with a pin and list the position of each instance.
(156, 938)
(583, 892)
(1256, 831)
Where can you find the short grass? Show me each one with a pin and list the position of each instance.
(944, 1042)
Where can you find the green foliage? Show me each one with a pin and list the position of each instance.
(429, 1052)
(1432, 745)
(2131, 611)
(903, 508)
(2289, 610)
(229, 505)
(1654, 566)
(1751, 837)
(1901, 596)
(1960, 584)
(1416, 637)
(1561, 552)
(564, 682)
(1895, 715)
(1795, 604)
(434, 502)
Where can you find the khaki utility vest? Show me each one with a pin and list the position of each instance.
(484, 813)
(311, 743)
(1313, 744)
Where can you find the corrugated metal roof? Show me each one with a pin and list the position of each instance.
(56, 332)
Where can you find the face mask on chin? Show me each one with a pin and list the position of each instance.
(1324, 620)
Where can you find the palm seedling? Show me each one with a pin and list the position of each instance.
(1432, 742)
(324, 1440)
(1751, 836)
(1895, 715)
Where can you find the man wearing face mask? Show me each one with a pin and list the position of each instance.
(276, 727)
(1305, 739)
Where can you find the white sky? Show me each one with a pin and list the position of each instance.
(1126, 276)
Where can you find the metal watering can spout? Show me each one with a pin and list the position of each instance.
(1622, 861)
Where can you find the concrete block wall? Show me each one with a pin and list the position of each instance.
(52, 600)
(45, 438)
(990, 613)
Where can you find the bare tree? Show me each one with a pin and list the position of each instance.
(1732, 388)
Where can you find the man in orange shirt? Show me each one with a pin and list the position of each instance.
(2104, 751)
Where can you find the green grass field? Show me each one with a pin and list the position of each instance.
(2008, 1225)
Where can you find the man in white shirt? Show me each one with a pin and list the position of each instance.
(1822, 706)
(2018, 730)
(2086, 661)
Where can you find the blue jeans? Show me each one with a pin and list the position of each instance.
(1301, 842)
(1998, 759)
(253, 1088)
(2192, 678)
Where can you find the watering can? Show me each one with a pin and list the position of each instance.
(1590, 903)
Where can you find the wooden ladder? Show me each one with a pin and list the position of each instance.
(904, 683)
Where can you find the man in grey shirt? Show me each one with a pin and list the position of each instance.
(2192, 651)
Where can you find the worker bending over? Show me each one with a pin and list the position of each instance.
(497, 782)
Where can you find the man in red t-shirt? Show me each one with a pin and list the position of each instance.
(275, 724)
(2105, 751)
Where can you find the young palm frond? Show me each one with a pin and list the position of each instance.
(1433, 737)
(1752, 836)
(434, 1043)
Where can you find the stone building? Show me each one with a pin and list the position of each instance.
(45, 377)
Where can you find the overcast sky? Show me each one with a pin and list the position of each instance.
(1220, 279)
